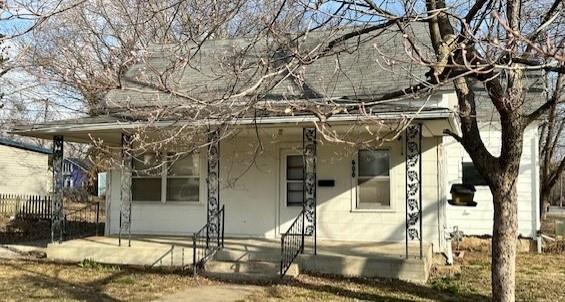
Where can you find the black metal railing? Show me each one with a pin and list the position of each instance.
(292, 243)
(83, 222)
(162, 259)
(207, 241)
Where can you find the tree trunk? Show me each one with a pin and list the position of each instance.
(544, 201)
(504, 239)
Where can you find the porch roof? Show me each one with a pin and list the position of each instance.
(108, 128)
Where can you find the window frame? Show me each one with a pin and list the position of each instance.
(287, 181)
(355, 183)
(483, 182)
(163, 176)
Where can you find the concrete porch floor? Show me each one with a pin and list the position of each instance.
(368, 259)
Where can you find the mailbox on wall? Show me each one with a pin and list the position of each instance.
(326, 183)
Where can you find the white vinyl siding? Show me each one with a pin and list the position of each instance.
(24, 172)
(478, 220)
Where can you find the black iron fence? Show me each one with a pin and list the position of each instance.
(292, 243)
(207, 241)
(83, 222)
(28, 218)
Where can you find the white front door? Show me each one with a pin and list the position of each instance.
(291, 187)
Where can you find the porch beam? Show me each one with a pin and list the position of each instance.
(125, 190)
(309, 205)
(58, 212)
(414, 185)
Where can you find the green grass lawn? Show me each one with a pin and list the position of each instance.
(539, 278)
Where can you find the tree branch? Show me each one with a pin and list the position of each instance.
(550, 103)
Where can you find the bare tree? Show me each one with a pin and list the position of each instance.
(551, 145)
(19, 98)
(487, 47)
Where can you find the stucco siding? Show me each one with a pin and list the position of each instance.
(478, 220)
(23, 171)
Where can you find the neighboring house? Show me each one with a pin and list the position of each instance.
(75, 173)
(24, 168)
(369, 194)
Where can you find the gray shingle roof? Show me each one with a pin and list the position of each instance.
(224, 67)
(358, 71)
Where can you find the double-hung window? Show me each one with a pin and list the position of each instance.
(373, 179)
(166, 178)
(183, 179)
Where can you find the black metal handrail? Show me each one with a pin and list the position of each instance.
(292, 243)
(207, 241)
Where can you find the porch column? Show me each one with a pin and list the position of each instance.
(414, 185)
(309, 205)
(213, 182)
(58, 212)
(125, 190)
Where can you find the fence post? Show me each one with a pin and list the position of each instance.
(223, 221)
(194, 269)
(16, 212)
(97, 217)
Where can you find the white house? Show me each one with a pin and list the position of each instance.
(277, 176)
(24, 168)
(478, 220)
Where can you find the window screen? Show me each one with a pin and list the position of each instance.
(373, 180)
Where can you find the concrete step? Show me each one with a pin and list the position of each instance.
(247, 270)
(245, 277)
(243, 267)
(239, 255)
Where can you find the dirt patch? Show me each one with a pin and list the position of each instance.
(40, 281)
(472, 244)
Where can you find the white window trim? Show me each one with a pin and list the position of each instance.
(355, 185)
(163, 176)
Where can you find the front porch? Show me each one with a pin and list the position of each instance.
(348, 258)
(365, 210)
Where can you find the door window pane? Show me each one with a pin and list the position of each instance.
(146, 189)
(294, 180)
(294, 193)
(183, 189)
(294, 167)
